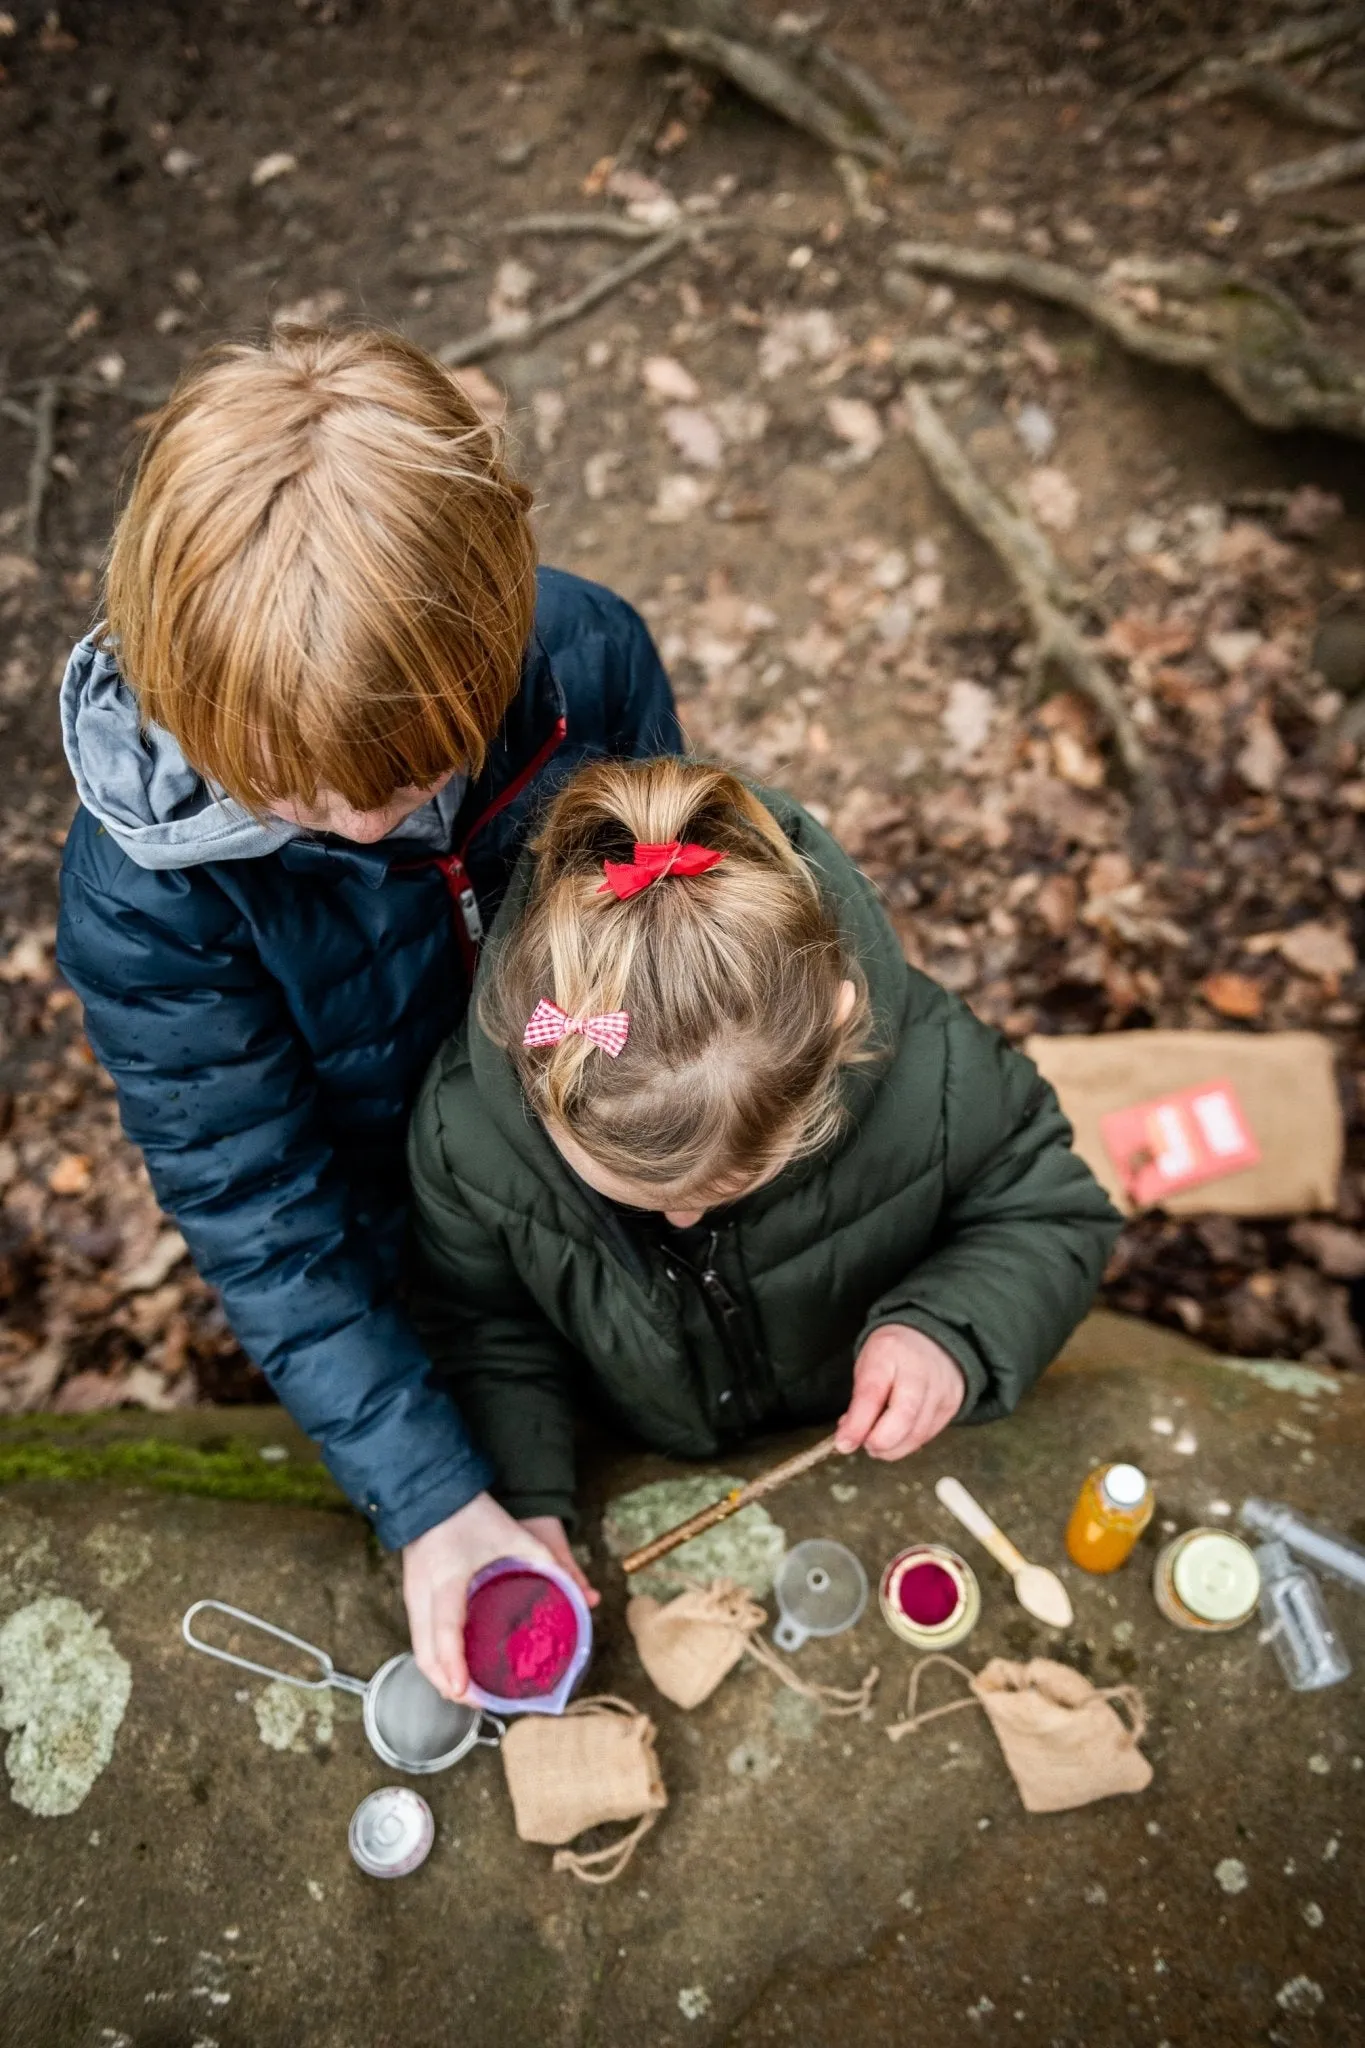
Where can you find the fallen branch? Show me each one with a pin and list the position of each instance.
(1222, 77)
(1303, 38)
(1243, 335)
(1345, 237)
(524, 333)
(1061, 646)
(794, 75)
(1306, 173)
(40, 463)
(616, 226)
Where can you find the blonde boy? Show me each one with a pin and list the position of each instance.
(329, 694)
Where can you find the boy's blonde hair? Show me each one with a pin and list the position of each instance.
(731, 978)
(324, 578)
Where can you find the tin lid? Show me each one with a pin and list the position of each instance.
(1124, 1486)
(391, 1832)
(1215, 1575)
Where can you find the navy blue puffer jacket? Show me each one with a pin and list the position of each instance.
(268, 1020)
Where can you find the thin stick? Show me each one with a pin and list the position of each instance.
(730, 1504)
(1030, 561)
(40, 465)
(1222, 77)
(1306, 173)
(1343, 237)
(615, 225)
(487, 341)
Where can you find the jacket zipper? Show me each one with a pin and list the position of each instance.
(740, 1352)
(469, 926)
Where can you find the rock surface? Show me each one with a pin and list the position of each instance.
(811, 1882)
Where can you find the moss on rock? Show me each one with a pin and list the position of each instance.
(222, 1467)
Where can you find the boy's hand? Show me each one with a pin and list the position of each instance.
(549, 1530)
(906, 1388)
(437, 1568)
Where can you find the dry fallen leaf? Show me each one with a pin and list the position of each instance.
(314, 311)
(1319, 950)
(1263, 754)
(793, 338)
(599, 473)
(1056, 904)
(678, 496)
(483, 394)
(1076, 763)
(1233, 995)
(664, 377)
(856, 423)
(1053, 499)
(694, 434)
(71, 1175)
(967, 717)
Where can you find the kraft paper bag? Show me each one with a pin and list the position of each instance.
(1285, 1085)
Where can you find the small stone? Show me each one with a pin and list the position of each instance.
(1301, 1996)
(1319, 1764)
(315, 1891)
(1312, 1913)
(1095, 1895)
(1037, 430)
(1162, 1425)
(693, 2002)
(514, 154)
(1187, 1443)
(1231, 1875)
(267, 169)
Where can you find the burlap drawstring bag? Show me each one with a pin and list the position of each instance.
(688, 1644)
(593, 1763)
(1064, 1742)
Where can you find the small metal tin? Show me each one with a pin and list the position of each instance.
(1207, 1581)
(961, 1618)
(391, 1832)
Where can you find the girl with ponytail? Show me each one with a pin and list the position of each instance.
(709, 1152)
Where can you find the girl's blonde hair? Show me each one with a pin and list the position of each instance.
(731, 979)
(325, 575)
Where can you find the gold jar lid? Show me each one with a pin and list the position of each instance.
(1215, 1576)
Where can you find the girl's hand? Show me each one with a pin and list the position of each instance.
(906, 1388)
(549, 1530)
(437, 1568)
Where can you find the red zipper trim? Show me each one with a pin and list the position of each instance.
(518, 784)
(468, 922)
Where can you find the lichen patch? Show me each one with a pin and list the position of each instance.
(284, 1713)
(63, 1693)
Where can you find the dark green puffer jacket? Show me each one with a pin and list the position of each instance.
(953, 1203)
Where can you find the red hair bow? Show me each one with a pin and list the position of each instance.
(548, 1024)
(652, 863)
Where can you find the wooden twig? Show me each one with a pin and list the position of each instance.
(1306, 173)
(729, 1504)
(1221, 77)
(20, 414)
(40, 464)
(1302, 38)
(1343, 237)
(1244, 335)
(501, 334)
(616, 227)
(1061, 646)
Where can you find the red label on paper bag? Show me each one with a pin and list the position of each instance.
(1179, 1141)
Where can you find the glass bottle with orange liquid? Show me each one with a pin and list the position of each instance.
(1112, 1510)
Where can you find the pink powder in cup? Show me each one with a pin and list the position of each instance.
(520, 1635)
(927, 1594)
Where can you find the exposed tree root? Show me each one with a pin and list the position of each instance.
(1061, 645)
(1246, 337)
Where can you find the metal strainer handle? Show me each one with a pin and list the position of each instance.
(339, 1680)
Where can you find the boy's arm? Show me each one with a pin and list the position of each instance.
(1025, 1232)
(215, 1090)
(505, 1364)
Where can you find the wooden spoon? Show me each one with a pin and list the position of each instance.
(1039, 1591)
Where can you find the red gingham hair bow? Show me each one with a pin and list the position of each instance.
(548, 1024)
(651, 863)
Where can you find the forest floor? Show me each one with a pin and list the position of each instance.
(728, 441)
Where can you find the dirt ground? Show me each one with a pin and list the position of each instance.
(725, 440)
